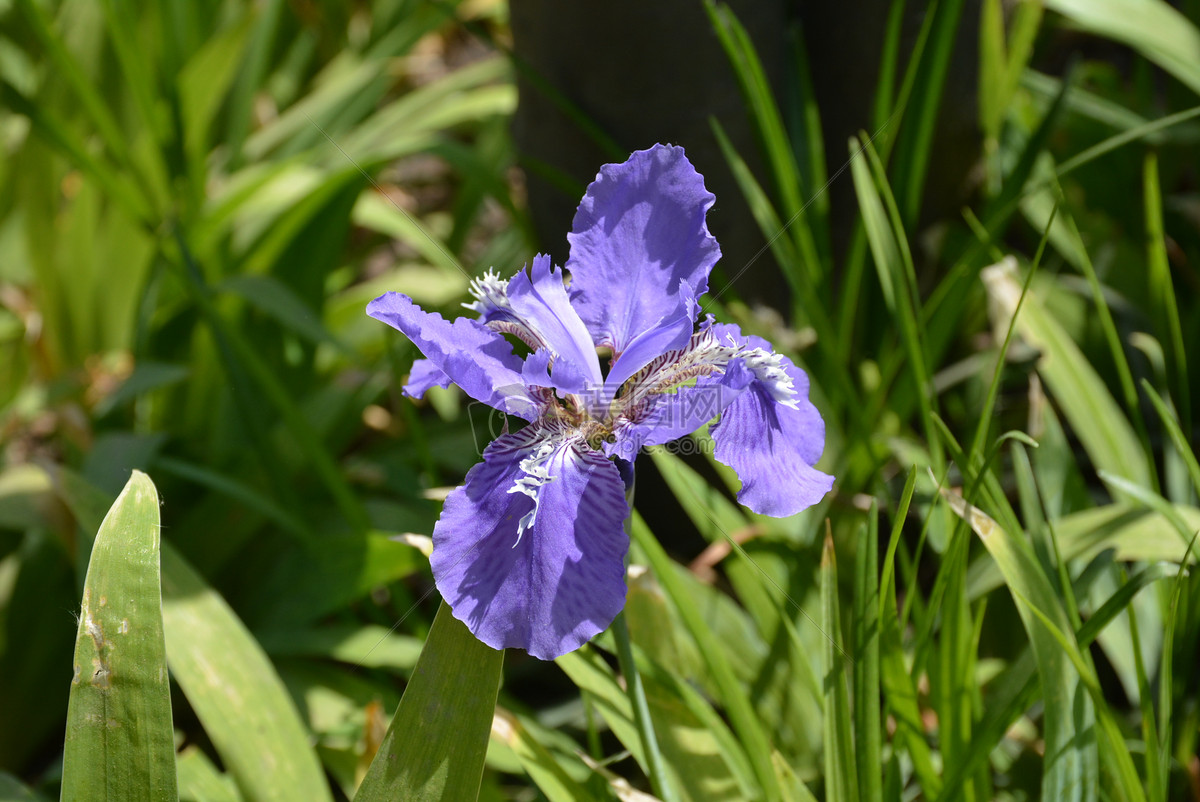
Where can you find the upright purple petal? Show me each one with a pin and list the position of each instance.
(530, 551)
(670, 333)
(771, 444)
(640, 236)
(540, 300)
(424, 376)
(474, 357)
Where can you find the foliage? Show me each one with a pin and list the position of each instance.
(198, 200)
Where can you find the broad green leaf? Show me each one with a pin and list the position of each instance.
(120, 743)
(435, 746)
(235, 691)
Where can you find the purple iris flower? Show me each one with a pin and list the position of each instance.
(530, 551)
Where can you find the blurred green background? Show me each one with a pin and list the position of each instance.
(197, 200)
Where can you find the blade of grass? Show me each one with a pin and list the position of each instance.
(737, 705)
(120, 743)
(1115, 347)
(841, 772)
(911, 158)
(1097, 420)
(1016, 690)
(1156, 778)
(239, 355)
(1074, 703)
(51, 128)
(897, 277)
(1175, 432)
(1162, 291)
(67, 68)
(435, 746)
(868, 739)
(538, 762)
(656, 770)
(899, 686)
(765, 113)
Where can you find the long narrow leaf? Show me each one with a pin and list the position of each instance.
(435, 747)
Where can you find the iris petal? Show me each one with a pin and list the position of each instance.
(560, 581)
(423, 377)
(540, 300)
(770, 443)
(669, 333)
(638, 239)
(474, 357)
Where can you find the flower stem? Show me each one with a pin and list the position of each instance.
(656, 768)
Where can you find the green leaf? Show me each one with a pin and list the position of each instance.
(704, 760)
(202, 85)
(1072, 766)
(367, 645)
(746, 723)
(1152, 27)
(13, 790)
(867, 716)
(120, 744)
(1162, 293)
(538, 762)
(435, 746)
(928, 78)
(1099, 423)
(200, 781)
(235, 691)
(841, 773)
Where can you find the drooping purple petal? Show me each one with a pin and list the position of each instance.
(770, 444)
(424, 376)
(474, 357)
(540, 300)
(546, 575)
(638, 237)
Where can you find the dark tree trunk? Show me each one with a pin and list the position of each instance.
(653, 71)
